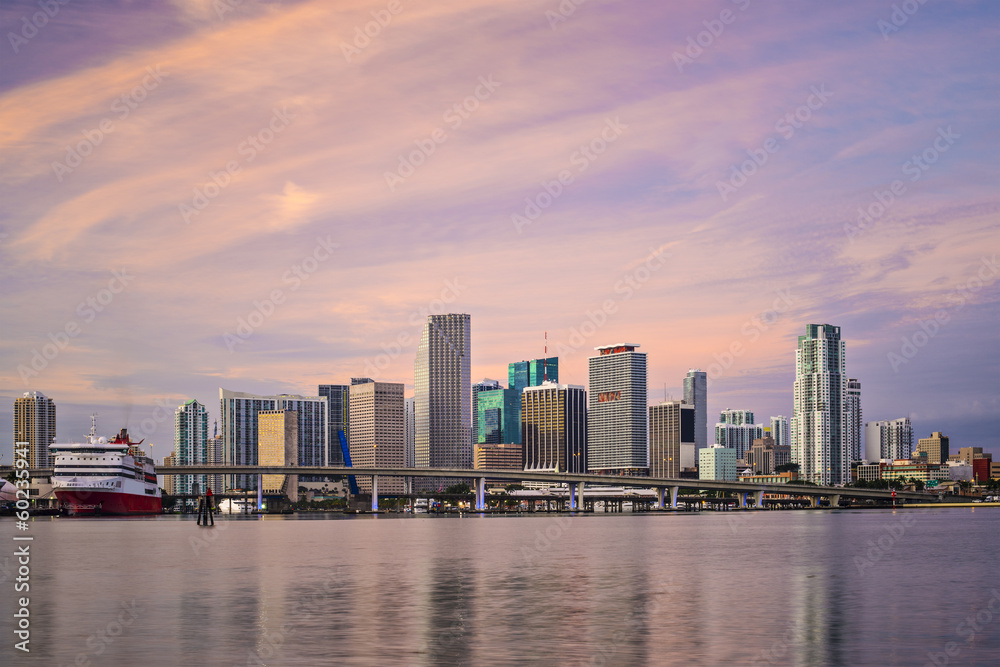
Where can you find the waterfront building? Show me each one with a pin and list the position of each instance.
(35, 424)
(443, 397)
(738, 435)
(888, 440)
(819, 443)
(215, 457)
(190, 446)
(616, 419)
(278, 445)
(498, 456)
(908, 468)
(409, 433)
(499, 418)
(936, 447)
(377, 432)
(788, 477)
(854, 424)
(554, 427)
(671, 426)
(869, 472)
(696, 394)
(779, 431)
(169, 485)
(338, 419)
(486, 385)
(717, 463)
(239, 431)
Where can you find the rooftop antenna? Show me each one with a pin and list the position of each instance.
(93, 424)
(545, 361)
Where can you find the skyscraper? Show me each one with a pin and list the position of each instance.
(337, 420)
(888, 440)
(818, 424)
(738, 436)
(671, 424)
(486, 385)
(443, 396)
(277, 445)
(779, 431)
(854, 424)
(554, 427)
(377, 432)
(190, 445)
(409, 433)
(696, 394)
(936, 447)
(616, 419)
(499, 418)
(531, 373)
(239, 430)
(35, 424)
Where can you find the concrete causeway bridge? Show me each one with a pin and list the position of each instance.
(666, 488)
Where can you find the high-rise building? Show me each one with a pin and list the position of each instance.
(409, 433)
(554, 427)
(968, 454)
(854, 423)
(215, 457)
(338, 419)
(190, 446)
(818, 424)
(443, 397)
(671, 425)
(278, 445)
(499, 418)
(779, 431)
(736, 417)
(616, 418)
(169, 485)
(531, 373)
(486, 385)
(717, 463)
(888, 440)
(377, 432)
(936, 447)
(696, 394)
(239, 430)
(35, 424)
(764, 455)
(736, 430)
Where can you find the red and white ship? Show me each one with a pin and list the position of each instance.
(105, 477)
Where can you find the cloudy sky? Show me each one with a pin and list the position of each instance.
(269, 196)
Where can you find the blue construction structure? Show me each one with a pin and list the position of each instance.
(347, 462)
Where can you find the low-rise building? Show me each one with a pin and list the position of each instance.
(501, 456)
(717, 463)
(789, 477)
(907, 469)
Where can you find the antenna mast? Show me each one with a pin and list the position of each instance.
(545, 361)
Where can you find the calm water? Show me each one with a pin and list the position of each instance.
(798, 588)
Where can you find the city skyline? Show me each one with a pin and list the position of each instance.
(147, 272)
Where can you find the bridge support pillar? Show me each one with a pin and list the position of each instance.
(374, 493)
(743, 499)
(758, 499)
(813, 501)
(571, 492)
(835, 501)
(579, 496)
(659, 498)
(480, 494)
(260, 492)
(673, 496)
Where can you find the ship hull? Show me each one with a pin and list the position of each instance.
(108, 503)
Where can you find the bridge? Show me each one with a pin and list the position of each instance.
(574, 482)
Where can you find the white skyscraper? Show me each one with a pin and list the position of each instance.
(191, 446)
(888, 440)
(442, 402)
(819, 420)
(617, 416)
(696, 394)
(855, 424)
(779, 431)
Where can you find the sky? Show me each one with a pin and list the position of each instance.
(269, 196)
